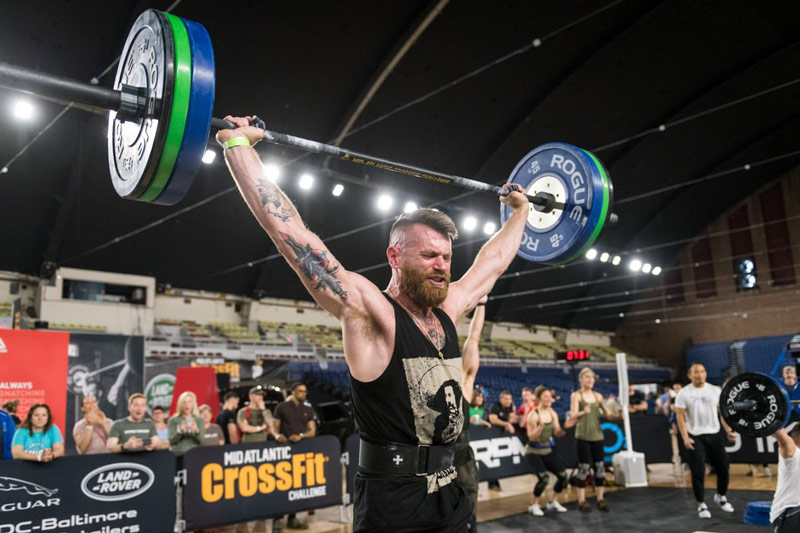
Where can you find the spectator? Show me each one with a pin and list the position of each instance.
(159, 416)
(477, 415)
(528, 403)
(295, 420)
(503, 414)
(130, 434)
(255, 420)
(185, 427)
(38, 439)
(636, 402)
(226, 419)
(789, 378)
(212, 435)
(7, 429)
(10, 407)
(91, 431)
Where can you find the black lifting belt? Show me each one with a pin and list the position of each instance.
(405, 459)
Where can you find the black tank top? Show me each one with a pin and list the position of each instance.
(417, 399)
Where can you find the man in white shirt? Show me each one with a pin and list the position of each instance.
(785, 512)
(697, 411)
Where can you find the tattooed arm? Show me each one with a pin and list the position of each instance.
(350, 297)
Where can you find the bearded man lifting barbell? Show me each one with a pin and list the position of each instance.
(697, 411)
(401, 344)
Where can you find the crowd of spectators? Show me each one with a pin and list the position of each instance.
(38, 439)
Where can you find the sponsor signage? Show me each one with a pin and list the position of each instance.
(230, 484)
(23, 356)
(158, 391)
(107, 493)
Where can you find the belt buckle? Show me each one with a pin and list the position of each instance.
(423, 452)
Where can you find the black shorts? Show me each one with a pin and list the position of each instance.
(552, 462)
(403, 504)
(590, 452)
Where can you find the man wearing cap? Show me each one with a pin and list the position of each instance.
(785, 511)
(255, 420)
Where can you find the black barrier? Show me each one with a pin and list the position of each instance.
(89, 494)
(351, 448)
(500, 454)
(746, 450)
(230, 484)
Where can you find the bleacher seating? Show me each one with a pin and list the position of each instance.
(760, 355)
(235, 332)
(496, 379)
(76, 327)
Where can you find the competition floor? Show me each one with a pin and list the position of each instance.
(667, 505)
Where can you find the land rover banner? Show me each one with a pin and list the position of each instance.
(109, 493)
(229, 484)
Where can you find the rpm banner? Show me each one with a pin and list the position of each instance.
(230, 484)
(108, 367)
(104, 493)
(33, 369)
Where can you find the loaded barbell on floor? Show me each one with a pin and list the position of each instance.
(756, 404)
(160, 118)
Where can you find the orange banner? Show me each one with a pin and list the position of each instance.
(33, 369)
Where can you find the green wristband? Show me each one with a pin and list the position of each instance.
(236, 141)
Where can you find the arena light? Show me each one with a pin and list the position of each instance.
(656, 271)
(23, 110)
(616, 260)
(209, 157)
(646, 268)
(338, 189)
(385, 202)
(469, 223)
(410, 207)
(635, 265)
(591, 254)
(306, 182)
(604, 257)
(489, 228)
(272, 172)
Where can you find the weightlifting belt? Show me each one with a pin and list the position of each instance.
(405, 459)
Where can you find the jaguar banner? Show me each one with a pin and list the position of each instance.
(107, 493)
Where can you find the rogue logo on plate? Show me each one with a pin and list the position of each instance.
(118, 481)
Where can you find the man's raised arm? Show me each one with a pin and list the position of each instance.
(470, 356)
(492, 259)
(328, 283)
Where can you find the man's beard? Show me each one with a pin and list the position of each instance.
(414, 284)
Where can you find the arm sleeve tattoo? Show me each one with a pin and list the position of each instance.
(273, 200)
(316, 267)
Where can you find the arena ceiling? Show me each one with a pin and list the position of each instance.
(478, 84)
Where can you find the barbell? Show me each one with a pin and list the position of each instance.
(160, 117)
(757, 404)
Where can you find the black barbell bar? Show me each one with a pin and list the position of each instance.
(131, 104)
(744, 405)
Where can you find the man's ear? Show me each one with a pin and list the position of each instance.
(393, 254)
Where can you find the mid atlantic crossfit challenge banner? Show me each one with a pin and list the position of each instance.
(108, 367)
(33, 369)
(89, 494)
(228, 484)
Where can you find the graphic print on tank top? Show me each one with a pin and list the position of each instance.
(434, 388)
